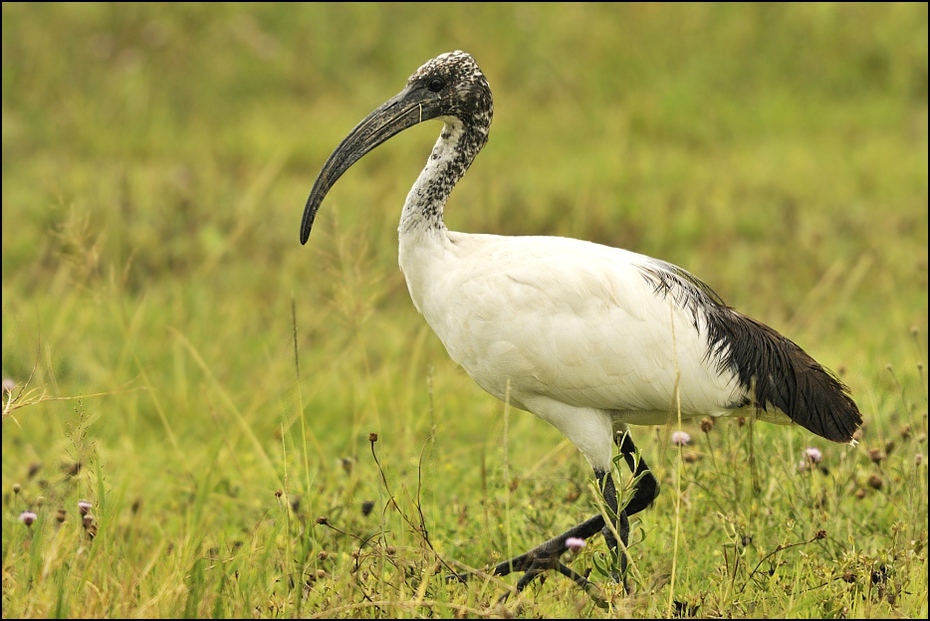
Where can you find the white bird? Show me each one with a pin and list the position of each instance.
(587, 337)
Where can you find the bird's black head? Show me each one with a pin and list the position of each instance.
(454, 85)
(450, 86)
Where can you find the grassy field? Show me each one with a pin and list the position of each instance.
(263, 429)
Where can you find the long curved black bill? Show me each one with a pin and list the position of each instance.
(409, 107)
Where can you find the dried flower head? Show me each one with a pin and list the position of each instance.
(691, 457)
(707, 424)
(84, 506)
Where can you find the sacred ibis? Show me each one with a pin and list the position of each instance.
(587, 337)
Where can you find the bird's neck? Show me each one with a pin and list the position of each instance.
(452, 154)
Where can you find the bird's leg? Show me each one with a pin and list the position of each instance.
(547, 555)
(622, 524)
(647, 487)
(645, 490)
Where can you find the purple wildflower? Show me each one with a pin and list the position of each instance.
(575, 544)
(813, 455)
(680, 438)
(28, 517)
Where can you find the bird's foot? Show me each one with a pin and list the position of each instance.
(547, 556)
(533, 563)
(537, 568)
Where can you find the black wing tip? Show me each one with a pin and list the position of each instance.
(825, 406)
(840, 424)
(780, 373)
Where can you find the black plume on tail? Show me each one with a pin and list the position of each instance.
(783, 375)
(772, 368)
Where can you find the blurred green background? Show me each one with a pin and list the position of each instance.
(156, 159)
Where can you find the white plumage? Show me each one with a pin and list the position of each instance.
(587, 337)
(574, 327)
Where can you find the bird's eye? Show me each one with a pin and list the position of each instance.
(435, 85)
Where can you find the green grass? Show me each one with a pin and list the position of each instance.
(156, 159)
